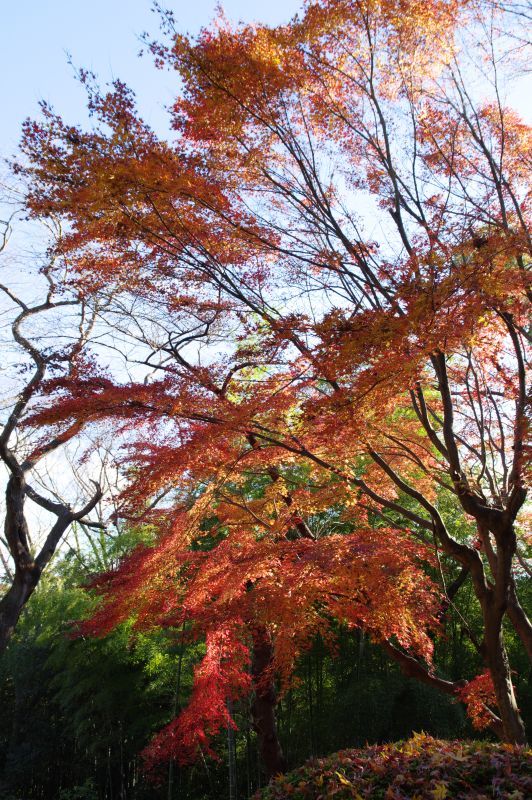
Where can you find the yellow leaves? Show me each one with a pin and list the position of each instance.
(343, 780)
(417, 742)
(440, 791)
(347, 783)
(266, 49)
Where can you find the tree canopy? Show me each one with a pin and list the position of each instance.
(323, 278)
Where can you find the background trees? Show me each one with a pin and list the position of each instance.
(36, 349)
(78, 711)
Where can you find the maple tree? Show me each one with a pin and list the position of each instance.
(260, 603)
(332, 260)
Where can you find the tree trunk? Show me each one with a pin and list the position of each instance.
(231, 757)
(497, 661)
(29, 567)
(498, 602)
(13, 602)
(263, 706)
(497, 598)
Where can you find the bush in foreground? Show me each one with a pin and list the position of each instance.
(421, 768)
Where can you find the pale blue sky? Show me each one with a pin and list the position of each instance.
(101, 35)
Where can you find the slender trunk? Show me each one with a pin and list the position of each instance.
(171, 766)
(310, 706)
(263, 706)
(248, 759)
(519, 620)
(497, 598)
(231, 757)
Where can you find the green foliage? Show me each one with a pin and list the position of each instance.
(76, 712)
(357, 696)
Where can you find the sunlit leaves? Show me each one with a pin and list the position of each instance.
(340, 233)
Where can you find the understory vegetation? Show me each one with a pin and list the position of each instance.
(78, 711)
(421, 768)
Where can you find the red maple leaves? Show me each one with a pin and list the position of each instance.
(329, 268)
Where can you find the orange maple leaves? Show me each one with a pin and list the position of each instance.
(291, 589)
(345, 231)
(479, 697)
